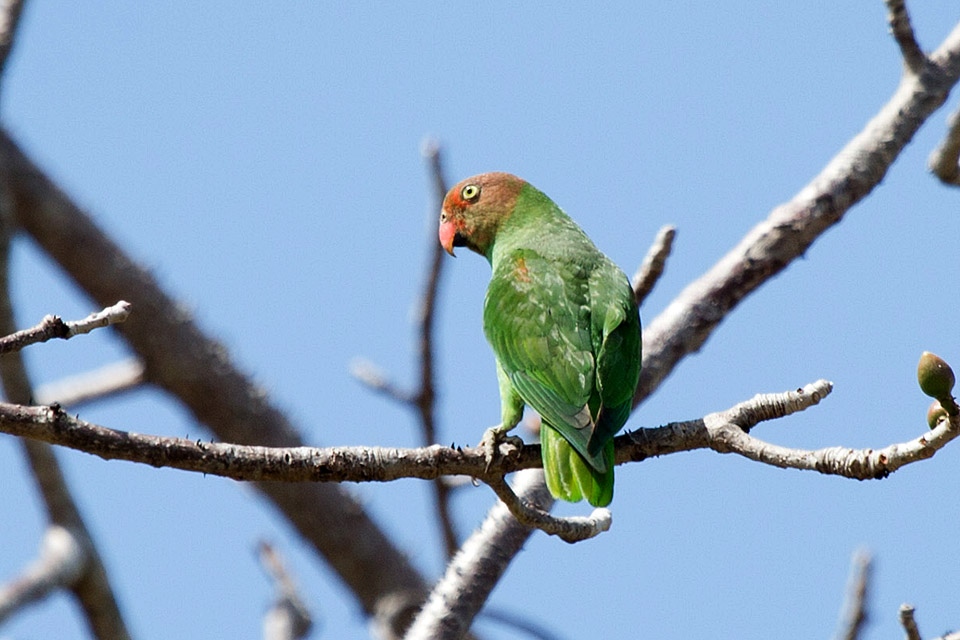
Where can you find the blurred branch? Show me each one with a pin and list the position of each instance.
(899, 20)
(10, 12)
(52, 327)
(426, 312)
(106, 381)
(288, 618)
(853, 617)
(180, 358)
(477, 568)
(653, 264)
(791, 228)
(61, 561)
(423, 401)
(426, 396)
(908, 622)
(377, 380)
(945, 159)
(92, 587)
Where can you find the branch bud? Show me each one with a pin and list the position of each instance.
(935, 412)
(935, 376)
(936, 379)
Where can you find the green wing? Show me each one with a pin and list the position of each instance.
(567, 340)
(616, 332)
(537, 318)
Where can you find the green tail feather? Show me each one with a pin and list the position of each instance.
(569, 477)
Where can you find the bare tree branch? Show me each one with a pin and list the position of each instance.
(60, 564)
(853, 616)
(908, 623)
(682, 329)
(790, 229)
(53, 327)
(106, 381)
(477, 568)
(860, 464)
(92, 587)
(257, 463)
(653, 264)
(178, 357)
(899, 19)
(724, 431)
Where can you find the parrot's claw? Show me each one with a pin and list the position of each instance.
(496, 441)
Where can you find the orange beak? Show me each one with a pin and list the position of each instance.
(448, 233)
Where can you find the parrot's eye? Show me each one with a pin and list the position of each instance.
(470, 192)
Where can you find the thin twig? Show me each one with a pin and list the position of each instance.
(288, 618)
(377, 380)
(52, 327)
(426, 316)
(908, 622)
(944, 162)
(650, 270)
(426, 396)
(853, 616)
(113, 314)
(899, 19)
(572, 529)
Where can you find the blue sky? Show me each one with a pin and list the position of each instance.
(264, 162)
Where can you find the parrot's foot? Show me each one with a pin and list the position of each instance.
(496, 441)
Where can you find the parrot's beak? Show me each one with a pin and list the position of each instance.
(448, 235)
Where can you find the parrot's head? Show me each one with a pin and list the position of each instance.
(474, 209)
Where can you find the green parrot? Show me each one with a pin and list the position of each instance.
(563, 323)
